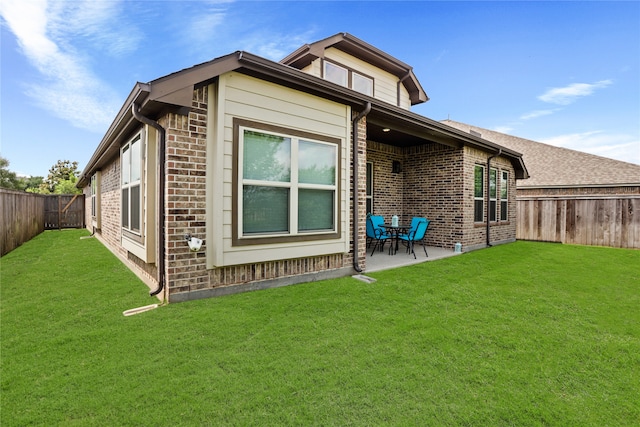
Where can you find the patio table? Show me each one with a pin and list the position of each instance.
(395, 231)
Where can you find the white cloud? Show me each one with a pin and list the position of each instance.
(47, 33)
(503, 129)
(537, 113)
(275, 46)
(568, 94)
(615, 146)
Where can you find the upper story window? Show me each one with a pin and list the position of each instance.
(348, 78)
(131, 168)
(287, 184)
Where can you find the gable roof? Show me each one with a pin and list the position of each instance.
(352, 45)
(174, 93)
(551, 166)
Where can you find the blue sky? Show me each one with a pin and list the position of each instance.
(565, 73)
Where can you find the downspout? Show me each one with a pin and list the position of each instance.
(406, 76)
(359, 117)
(135, 110)
(489, 195)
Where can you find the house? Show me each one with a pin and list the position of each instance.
(572, 196)
(274, 166)
(557, 171)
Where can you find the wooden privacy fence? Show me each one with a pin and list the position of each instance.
(64, 211)
(25, 215)
(596, 221)
(22, 218)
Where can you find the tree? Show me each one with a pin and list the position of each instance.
(62, 179)
(8, 179)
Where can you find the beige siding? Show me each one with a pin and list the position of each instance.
(385, 86)
(244, 97)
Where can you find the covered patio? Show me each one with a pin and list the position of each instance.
(381, 260)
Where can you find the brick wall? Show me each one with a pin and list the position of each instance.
(186, 213)
(437, 182)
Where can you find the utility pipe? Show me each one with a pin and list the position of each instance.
(359, 117)
(489, 195)
(135, 110)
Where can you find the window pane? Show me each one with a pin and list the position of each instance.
(135, 160)
(335, 74)
(492, 183)
(479, 181)
(265, 209)
(315, 210)
(504, 213)
(503, 186)
(369, 179)
(362, 84)
(478, 210)
(125, 165)
(125, 207)
(492, 210)
(316, 163)
(266, 157)
(135, 208)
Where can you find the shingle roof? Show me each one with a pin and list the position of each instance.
(551, 166)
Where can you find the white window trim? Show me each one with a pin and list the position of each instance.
(139, 137)
(369, 185)
(293, 185)
(143, 243)
(493, 199)
(96, 201)
(479, 198)
(504, 181)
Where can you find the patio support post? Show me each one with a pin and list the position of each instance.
(360, 116)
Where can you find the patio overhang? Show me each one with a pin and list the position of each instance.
(398, 127)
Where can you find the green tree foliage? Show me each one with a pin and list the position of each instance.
(62, 179)
(11, 181)
(8, 179)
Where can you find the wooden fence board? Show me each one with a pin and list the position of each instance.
(21, 218)
(597, 221)
(25, 215)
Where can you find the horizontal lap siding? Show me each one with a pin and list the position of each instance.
(240, 96)
(270, 104)
(385, 83)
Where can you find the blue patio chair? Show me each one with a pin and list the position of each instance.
(376, 233)
(416, 233)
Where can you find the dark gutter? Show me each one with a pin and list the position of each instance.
(135, 111)
(367, 109)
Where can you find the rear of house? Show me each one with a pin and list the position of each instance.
(276, 165)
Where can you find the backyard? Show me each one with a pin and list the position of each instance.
(521, 334)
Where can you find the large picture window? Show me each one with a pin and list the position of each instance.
(478, 194)
(131, 162)
(287, 184)
(504, 196)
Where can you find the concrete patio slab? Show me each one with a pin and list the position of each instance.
(383, 261)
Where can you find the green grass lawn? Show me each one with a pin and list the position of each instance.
(522, 334)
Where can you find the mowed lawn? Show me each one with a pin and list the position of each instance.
(523, 334)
